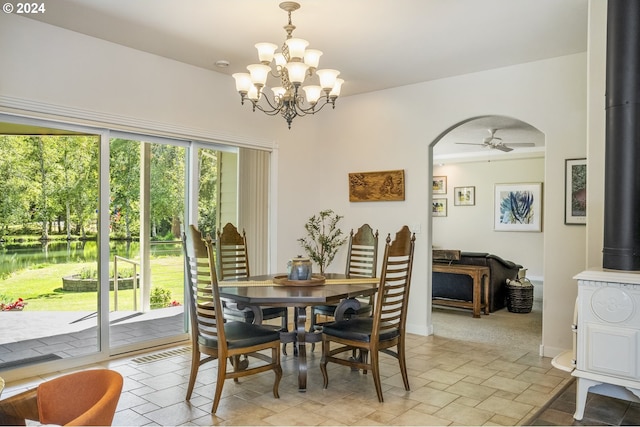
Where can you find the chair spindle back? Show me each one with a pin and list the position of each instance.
(395, 279)
(205, 305)
(362, 258)
(232, 260)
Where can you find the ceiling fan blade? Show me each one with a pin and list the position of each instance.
(502, 147)
(469, 143)
(521, 144)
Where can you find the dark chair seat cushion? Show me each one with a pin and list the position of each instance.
(358, 329)
(241, 334)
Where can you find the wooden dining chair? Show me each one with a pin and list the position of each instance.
(362, 261)
(386, 328)
(85, 398)
(211, 334)
(232, 263)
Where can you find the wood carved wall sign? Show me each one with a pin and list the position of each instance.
(376, 186)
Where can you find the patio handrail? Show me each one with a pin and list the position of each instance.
(115, 281)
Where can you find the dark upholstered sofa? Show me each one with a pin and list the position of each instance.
(459, 287)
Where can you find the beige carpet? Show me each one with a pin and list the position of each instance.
(515, 330)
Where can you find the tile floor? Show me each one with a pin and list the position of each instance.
(600, 410)
(452, 383)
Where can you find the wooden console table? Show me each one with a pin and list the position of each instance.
(480, 277)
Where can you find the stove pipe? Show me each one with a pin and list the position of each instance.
(622, 163)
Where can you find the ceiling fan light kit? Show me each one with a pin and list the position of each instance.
(293, 66)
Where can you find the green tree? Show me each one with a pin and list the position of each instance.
(167, 189)
(45, 171)
(80, 192)
(207, 191)
(14, 207)
(125, 185)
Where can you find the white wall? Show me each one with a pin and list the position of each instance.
(71, 74)
(596, 131)
(471, 228)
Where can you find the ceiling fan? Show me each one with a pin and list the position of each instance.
(495, 142)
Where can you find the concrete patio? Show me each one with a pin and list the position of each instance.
(27, 337)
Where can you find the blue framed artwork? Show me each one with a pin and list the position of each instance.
(518, 207)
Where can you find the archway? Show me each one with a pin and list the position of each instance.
(470, 158)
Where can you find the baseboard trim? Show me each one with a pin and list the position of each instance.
(551, 352)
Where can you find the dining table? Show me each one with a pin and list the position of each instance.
(267, 290)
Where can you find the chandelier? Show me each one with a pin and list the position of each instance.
(293, 66)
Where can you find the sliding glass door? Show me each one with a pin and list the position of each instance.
(48, 248)
(90, 225)
(147, 205)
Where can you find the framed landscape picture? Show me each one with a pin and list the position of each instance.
(575, 191)
(439, 207)
(464, 196)
(518, 207)
(439, 185)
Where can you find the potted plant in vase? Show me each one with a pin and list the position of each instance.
(324, 238)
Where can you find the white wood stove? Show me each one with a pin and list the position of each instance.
(607, 346)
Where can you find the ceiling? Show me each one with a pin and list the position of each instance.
(376, 44)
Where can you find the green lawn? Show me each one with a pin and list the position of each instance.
(41, 287)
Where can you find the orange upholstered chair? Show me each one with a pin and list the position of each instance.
(85, 398)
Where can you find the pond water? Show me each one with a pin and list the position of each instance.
(18, 256)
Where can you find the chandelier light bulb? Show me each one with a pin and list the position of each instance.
(296, 48)
(278, 91)
(279, 59)
(327, 78)
(243, 82)
(312, 93)
(335, 92)
(312, 57)
(259, 74)
(254, 94)
(297, 72)
(266, 52)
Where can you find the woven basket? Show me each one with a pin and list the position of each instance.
(520, 298)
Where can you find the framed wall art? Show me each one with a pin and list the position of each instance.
(376, 186)
(439, 207)
(575, 191)
(464, 196)
(439, 185)
(518, 207)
